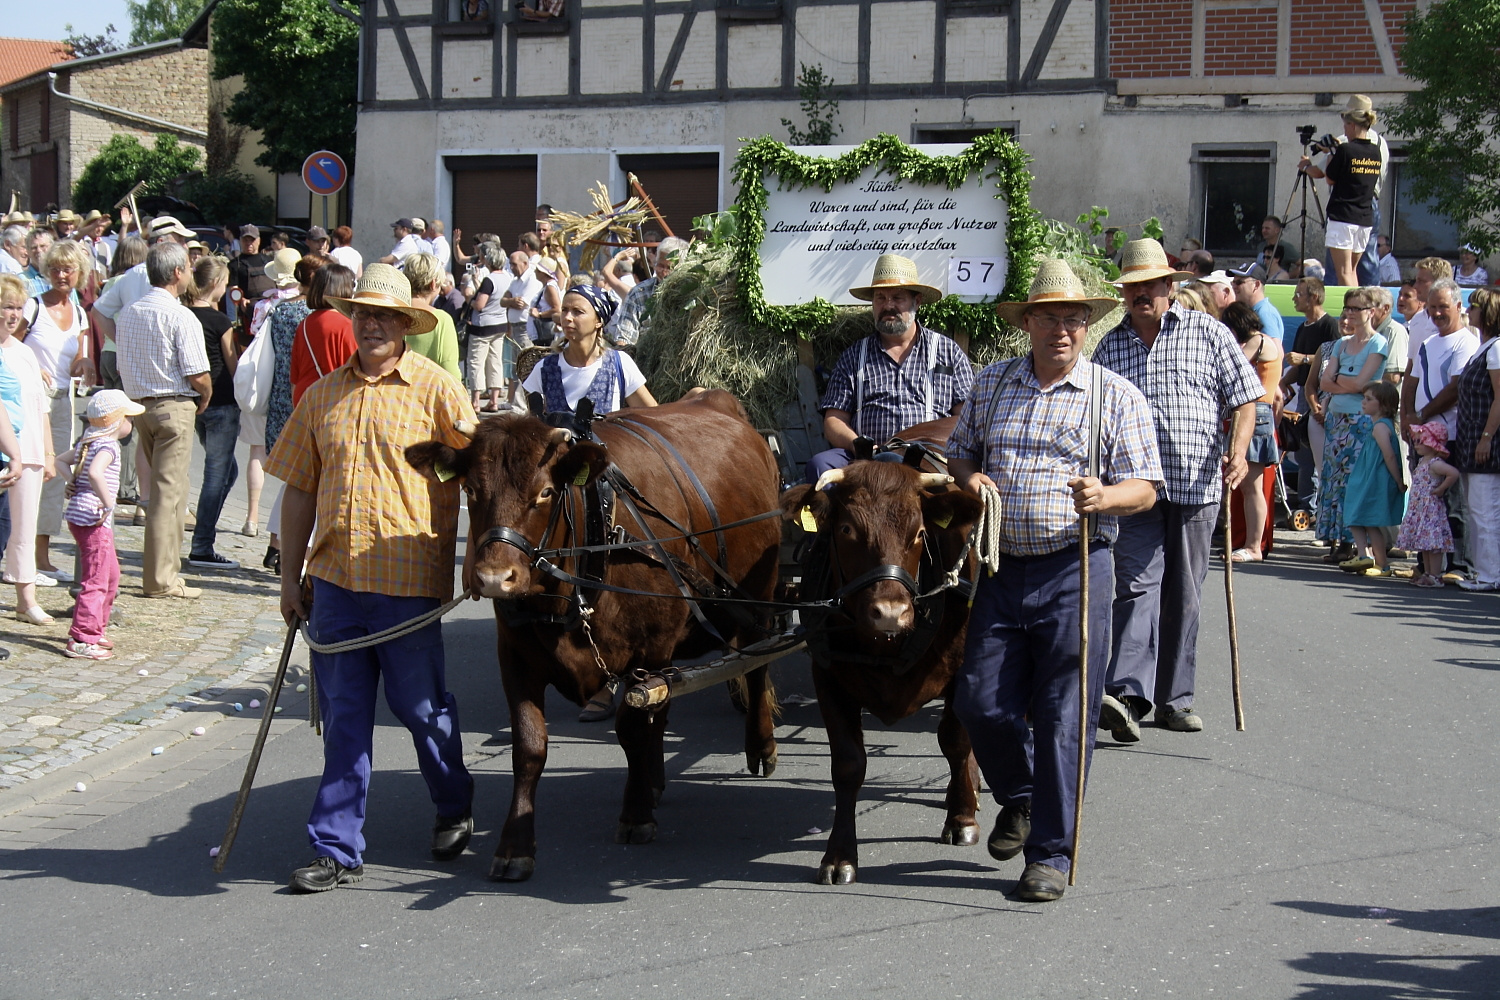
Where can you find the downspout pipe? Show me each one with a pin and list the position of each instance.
(122, 113)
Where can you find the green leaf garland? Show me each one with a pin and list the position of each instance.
(994, 156)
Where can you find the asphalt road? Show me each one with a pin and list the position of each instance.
(1342, 848)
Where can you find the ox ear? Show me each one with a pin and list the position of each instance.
(434, 458)
(951, 510)
(580, 465)
(806, 506)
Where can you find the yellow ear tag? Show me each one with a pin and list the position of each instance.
(582, 477)
(808, 522)
(944, 521)
(443, 472)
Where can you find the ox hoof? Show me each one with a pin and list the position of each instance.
(960, 834)
(638, 833)
(763, 766)
(839, 874)
(512, 869)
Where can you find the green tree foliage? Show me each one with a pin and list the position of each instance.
(813, 87)
(228, 197)
(1453, 159)
(82, 46)
(159, 20)
(123, 161)
(299, 60)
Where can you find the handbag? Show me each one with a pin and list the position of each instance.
(254, 376)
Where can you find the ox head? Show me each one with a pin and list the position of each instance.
(884, 514)
(515, 470)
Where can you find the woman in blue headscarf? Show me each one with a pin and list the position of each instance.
(587, 367)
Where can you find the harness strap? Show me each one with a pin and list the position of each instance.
(708, 503)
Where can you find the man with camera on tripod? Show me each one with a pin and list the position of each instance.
(1353, 169)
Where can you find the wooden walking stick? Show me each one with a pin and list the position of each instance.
(1083, 687)
(1234, 628)
(260, 744)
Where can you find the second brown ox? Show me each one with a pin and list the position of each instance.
(877, 518)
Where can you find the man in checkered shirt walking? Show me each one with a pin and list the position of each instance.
(1192, 373)
(902, 375)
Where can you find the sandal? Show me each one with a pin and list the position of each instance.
(1245, 555)
(1427, 582)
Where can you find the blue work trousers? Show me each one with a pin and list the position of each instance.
(1161, 559)
(218, 430)
(415, 689)
(1017, 692)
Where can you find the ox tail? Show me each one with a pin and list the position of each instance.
(739, 693)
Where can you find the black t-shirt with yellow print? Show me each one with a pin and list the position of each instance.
(1354, 169)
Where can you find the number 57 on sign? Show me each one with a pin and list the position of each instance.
(977, 276)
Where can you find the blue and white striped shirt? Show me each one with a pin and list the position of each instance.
(894, 396)
(1192, 375)
(1038, 439)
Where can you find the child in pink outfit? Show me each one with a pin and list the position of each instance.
(91, 492)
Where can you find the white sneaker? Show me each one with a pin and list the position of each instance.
(250, 529)
(43, 580)
(60, 575)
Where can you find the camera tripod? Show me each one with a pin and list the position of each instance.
(1303, 185)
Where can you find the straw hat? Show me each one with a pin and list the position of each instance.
(281, 267)
(16, 219)
(547, 266)
(384, 287)
(895, 271)
(1145, 260)
(67, 215)
(1359, 109)
(1055, 283)
(166, 225)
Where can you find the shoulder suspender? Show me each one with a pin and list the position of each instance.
(928, 409)
(1096, 419)
(989, 417)
(859, 385)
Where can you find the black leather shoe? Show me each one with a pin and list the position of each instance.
(324, 874)
(1011, 831)
(1041, 883)
(451, 836)
(4, 654)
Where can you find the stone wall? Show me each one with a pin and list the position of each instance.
(171, 84)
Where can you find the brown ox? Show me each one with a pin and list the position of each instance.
(516, 471)
(881, 514)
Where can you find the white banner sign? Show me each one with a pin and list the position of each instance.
(821, 245)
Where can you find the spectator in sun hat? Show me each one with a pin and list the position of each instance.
(1469, 272)
(92, 485)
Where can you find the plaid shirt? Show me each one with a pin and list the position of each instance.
(627, 321)
(158, 344)
(1192, 375)
(1038, 439)
(895, 396)
(383, 527)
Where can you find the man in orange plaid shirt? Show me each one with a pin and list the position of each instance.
(382, 554)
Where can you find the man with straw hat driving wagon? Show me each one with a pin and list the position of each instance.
(1064, 443)
(901, 375)
(383, 554)
(1191, 371)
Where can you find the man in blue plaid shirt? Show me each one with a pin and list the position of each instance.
(902, 375)
(1192, 372)
(1028, 434)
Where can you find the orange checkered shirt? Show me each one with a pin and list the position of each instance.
(383, 527)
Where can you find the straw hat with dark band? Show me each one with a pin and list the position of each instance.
(384, 287)
(1145, 260)
(1056, 284)
(893, 271)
